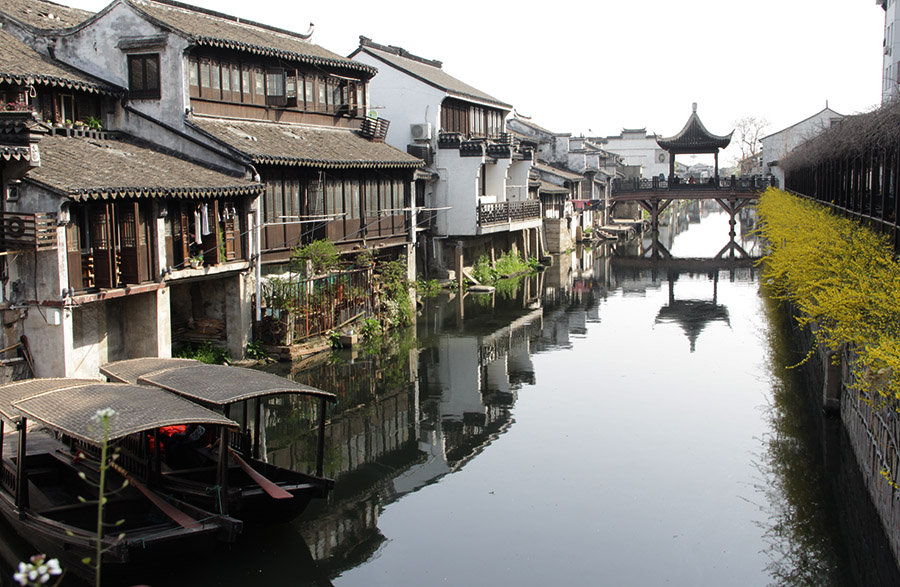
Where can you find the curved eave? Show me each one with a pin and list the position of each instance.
(676, 145)
(288, 55)
(54, 81)
(159, 192)
(323, 164)
(15, 153)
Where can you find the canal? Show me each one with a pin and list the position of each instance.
(609, 421)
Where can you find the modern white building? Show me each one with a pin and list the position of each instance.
(778, 144)
(475, 181)
(637, 148)
(890, 81)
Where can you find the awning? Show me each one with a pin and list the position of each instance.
(217, 385)
(138, 408)
(13, 392)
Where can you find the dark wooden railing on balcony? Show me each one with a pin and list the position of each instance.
(753, 183)
(501, 212)
(27, 231)
(374, 129)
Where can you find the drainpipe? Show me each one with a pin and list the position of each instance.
(257, 255)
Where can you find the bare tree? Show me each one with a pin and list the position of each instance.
(748, 130)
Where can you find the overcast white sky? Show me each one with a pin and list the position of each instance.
(597, 67)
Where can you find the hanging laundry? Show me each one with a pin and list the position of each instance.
(204, 219)
(198, 240)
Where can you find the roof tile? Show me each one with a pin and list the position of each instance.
(304, 145)
(91, 168)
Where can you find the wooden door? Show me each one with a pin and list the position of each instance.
(133, 242)
(211, 240)
(103, 245)
(73, 256)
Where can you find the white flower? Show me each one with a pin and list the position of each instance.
(103, 415)
(37, 571)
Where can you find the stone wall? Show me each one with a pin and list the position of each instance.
(873, 426)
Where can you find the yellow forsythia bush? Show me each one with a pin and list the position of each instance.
(842, 276)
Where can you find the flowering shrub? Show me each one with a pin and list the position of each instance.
(840, 275)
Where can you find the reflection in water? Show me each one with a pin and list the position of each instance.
(563, 433)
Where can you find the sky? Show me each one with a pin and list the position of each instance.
(597, 67)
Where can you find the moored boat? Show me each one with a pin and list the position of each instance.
(50, 498)
(254, 489)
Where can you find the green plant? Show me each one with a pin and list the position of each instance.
(322, 255)
(364, 258)
(370, 329)
(277, 293)
(397, 305)
(205, 352)
(483, 272)
(256, 351)
(94, 123)
(427, 288)
(334, 338)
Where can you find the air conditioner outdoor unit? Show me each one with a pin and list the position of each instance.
(420, 131)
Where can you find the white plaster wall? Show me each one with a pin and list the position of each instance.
(93, 48)
(404, 101)
(777, 145)
(459, 371)
(497, 375)
(637, 149)
(891, 59)
(457, 187)
(495, 179)
(517, 180)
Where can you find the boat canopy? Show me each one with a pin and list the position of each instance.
(12, 392)
(72, 410)
(218, 385)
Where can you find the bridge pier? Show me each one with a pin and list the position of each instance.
(654, 207)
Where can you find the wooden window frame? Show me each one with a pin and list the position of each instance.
(145, 89)
(276, 87)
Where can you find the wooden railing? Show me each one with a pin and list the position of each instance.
(500, 212)
(27, 231)
(375, 129)
(753, 183)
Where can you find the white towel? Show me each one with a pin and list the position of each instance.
(204, 219)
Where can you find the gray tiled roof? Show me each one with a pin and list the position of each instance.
(209, 28)
(41, 14)
(90, 168)
(429, 72)
(20, 65)
(304, 145)
(694, 138)
(548, 169)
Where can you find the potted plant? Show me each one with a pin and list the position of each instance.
(196, 261)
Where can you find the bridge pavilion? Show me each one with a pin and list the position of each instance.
(694, 139)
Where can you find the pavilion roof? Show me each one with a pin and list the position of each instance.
(694, 138)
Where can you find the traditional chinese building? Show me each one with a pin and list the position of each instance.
(475, 182)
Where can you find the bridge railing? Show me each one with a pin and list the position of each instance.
(749, 183)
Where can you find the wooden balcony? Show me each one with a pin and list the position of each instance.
(503, 212)
(374, 129)
(27, 231)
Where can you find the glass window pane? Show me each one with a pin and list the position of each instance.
(204, 74)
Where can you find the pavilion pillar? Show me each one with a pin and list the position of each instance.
(716, 155)
(671, 167)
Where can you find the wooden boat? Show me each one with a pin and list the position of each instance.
(251, 489)
(42, 491)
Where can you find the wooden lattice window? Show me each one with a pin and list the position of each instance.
(143, 76)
